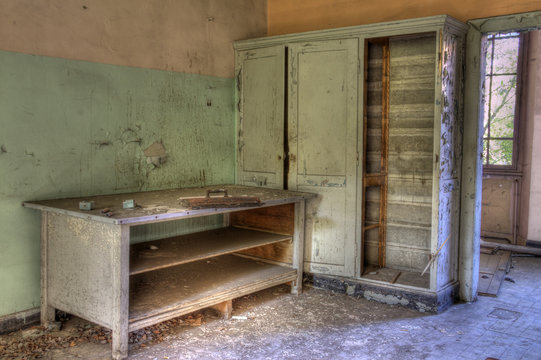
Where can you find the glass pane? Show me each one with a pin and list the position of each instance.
(501, 152)
(505, 56)
(488, 63)
(485, 147)
(502, 106)
(486, 100)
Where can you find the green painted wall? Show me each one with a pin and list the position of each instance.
(72, 128)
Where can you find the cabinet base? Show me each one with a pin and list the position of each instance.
(420, 300)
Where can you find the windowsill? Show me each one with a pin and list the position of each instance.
(502, 172)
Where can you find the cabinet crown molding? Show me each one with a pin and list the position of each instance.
(390, 28)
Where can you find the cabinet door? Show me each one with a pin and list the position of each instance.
(260, 85)
(322, 133)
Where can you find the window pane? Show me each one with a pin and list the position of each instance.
(500, 97)
(501, 152)
(486, 109)
(485, 157)
(488, 64)
(502, 106)
(505, 56)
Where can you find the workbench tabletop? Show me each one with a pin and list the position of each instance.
(160, 205)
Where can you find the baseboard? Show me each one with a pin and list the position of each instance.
(422, 300)
(533, 243)
(19, 320)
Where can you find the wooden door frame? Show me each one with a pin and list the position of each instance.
(472, 164)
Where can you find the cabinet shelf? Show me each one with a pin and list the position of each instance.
(167, 293)
(198, 246)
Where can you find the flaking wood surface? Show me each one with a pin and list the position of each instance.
(160, 205)
(178, 250)
(278, 219)
(158, 295)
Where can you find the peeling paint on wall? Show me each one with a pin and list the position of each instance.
(73, 128)
(156, 154)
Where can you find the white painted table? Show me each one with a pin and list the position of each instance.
(89, 269)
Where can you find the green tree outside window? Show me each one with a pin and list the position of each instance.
(500, 99)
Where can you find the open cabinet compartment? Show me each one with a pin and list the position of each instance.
(398, 148)
(411, 160)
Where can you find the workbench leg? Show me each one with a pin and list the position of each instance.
(120, 342)
(298, 247)
(47, 315)
(121, 294)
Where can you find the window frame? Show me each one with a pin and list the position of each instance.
(514, 167)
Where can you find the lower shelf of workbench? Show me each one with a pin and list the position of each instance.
(160, 295)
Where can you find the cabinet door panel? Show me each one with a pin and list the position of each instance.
(260, 80)
(322, 132)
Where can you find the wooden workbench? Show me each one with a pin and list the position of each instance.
(90, 269)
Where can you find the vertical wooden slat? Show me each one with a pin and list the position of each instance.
(365, 130)
(385, 99)
(226, 220)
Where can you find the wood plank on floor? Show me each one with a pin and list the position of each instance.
(492, 269)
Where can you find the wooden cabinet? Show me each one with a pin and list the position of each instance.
(297, 126)
(329, 94)
(322, 133)
(260, 142)
(90, 269)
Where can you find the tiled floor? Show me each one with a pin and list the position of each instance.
(320, 325)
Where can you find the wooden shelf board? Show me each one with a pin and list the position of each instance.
(198, 246)
(167, 293)
(385, 274)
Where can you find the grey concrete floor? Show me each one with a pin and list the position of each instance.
(321, 325)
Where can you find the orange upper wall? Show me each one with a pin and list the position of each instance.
(192, 36)
(286, 16)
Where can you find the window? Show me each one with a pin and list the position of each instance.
(501, 93)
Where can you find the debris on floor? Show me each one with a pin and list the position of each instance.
(317, 324)
(36, 341)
